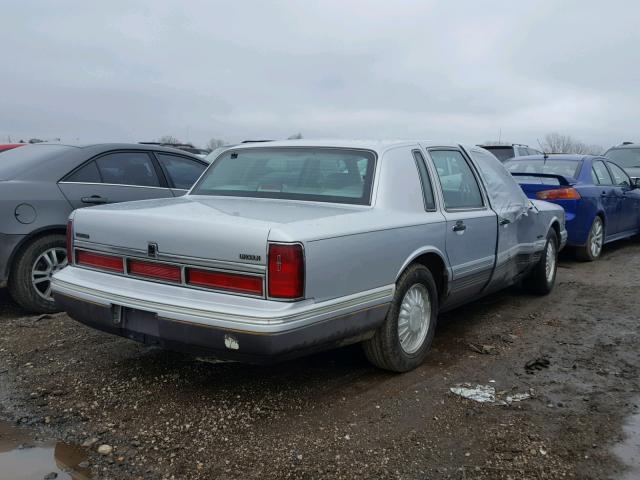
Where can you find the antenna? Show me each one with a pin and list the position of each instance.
(500, 135)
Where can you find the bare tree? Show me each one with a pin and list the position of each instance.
(295, 136)
(558, 143)
(168, 139)
(215, 143)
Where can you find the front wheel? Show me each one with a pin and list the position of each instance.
(593, 248)
(543, 276)
(401, 343)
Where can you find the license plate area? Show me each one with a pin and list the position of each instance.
(140, 321)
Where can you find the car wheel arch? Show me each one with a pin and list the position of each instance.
(434, 261)
(31, 237)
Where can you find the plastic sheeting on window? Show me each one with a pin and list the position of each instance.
(506, 197)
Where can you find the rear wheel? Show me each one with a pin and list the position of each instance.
(543, 276)
(30, 279)
(593, 248)
(401, 343)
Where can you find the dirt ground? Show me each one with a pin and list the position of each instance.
(332, 415)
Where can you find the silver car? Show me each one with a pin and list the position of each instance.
(290, 247)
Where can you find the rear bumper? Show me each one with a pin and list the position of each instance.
(8, 244)
(222, 330)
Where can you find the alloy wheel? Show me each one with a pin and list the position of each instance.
(414, 318)
(49, 262)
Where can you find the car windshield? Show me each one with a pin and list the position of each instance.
(501, 153)
(315, 174)
(625, 157)
(566, 168)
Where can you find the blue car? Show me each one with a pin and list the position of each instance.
(601, 202)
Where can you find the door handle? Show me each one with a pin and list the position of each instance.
(459, 227)
(603, 194)
(505, 221)
(94, 200)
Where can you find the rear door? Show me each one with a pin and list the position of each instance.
(628, 200)
(181, 172)
(608, 198)
(115, 177)
(471, 229)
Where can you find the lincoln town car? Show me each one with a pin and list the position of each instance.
(285, 248)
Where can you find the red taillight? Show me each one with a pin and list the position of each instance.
(70, 242)
(98, 260)
(286, 271)
(169, 273)
(567, 193)
(232, 282)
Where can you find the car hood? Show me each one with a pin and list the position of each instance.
(216, 228)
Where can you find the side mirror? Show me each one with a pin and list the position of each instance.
(635, 183)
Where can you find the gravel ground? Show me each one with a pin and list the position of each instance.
(331, 415)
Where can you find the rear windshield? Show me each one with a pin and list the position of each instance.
(625, 157)
(566, 168)
(19, 160)
(502, 153)
(315, 174)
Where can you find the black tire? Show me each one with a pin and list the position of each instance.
(584, 253)
(538, 281)
(384, 349)
(21, 287)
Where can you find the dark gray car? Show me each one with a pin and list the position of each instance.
(41, 184)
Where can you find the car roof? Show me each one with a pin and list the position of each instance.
(378, 146)
(625, 145)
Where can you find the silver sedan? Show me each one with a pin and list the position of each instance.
(285, 248)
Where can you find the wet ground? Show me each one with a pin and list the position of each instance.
(156, 414)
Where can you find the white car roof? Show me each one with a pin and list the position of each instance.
(378, 146)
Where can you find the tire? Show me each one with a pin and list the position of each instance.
(385, 349)
(540, 280)
(595, 240)
(28, 262)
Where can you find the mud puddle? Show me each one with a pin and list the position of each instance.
(629, 450)
(24, 458)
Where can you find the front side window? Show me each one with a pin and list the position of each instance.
(314, 174)
(602, 174)
(182, 172)
(505, 195)
(459, 185)
(620, 178)
(128, 168)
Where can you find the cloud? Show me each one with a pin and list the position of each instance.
(462, 70)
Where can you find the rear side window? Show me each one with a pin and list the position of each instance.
(182, 172)
(128, 168)
(427, 191)
(620, 178)
(86, 174)
(459, 185)
(315, 174)
(601, 173)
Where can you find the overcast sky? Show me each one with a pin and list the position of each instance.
(458, 70)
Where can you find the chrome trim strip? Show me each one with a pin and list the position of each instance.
(305, 316)
(170, 258)
(114, 185)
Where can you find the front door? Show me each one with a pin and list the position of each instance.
(471, 225)
(628, 200)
